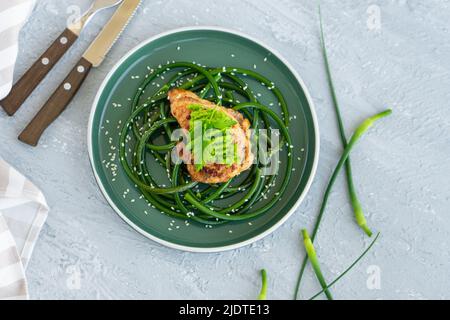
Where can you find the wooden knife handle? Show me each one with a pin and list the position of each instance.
(29, 81)
(56, 104)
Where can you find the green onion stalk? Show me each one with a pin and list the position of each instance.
(332, 283)
(362, 128)
(311, 252)
(357, 208)
(263, 293)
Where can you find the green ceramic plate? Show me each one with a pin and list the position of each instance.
(215, 48)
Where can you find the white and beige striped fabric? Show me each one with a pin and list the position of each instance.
(13, 14)
(23, 211)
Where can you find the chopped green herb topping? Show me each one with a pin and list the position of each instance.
(212, 118)
(216, 138)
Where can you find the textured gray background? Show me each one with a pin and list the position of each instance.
(401, 168)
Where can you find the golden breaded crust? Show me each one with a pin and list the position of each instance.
(214, 173)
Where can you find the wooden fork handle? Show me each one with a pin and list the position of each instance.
(30, 80)
(56, 104)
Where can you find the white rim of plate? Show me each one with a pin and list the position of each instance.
(221, 248)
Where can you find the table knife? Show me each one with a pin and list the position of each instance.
(37, 72)
(93, 57)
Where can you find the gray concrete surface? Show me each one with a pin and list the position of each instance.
(402, 168)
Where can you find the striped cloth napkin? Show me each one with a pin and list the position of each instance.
(13, 14)
(23, 211)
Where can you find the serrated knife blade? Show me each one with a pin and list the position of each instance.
(100, 47)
